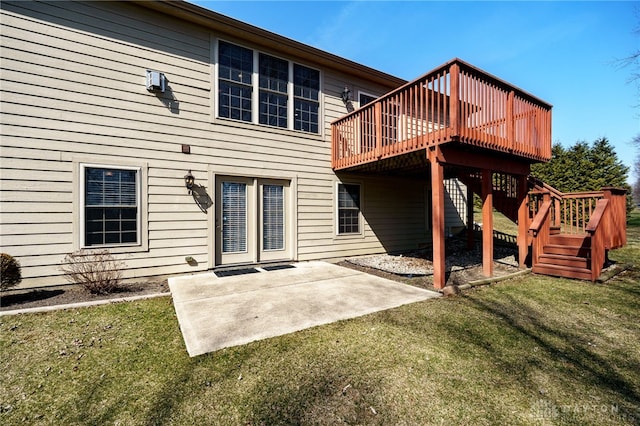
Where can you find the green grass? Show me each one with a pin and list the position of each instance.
(532, 350)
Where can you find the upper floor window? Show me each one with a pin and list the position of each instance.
(259, 88)
(274, 78)
(364, 98)
(306, 89)
(235, 73)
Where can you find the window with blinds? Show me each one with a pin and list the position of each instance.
(111, 206)
(348, 208)
(234, 217)
(272, 217)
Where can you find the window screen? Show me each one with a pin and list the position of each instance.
(348, 209)
(110, 206)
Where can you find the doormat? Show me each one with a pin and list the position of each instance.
(233, 272)
(277, 267)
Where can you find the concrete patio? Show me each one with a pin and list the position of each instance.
(218, 312)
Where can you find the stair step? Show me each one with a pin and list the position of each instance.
(575, 251)
(570, 240)
(562, 271)
(564, 260)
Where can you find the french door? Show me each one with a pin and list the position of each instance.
(251, 221)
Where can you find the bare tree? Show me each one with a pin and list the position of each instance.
(633, 60)
(636, 168)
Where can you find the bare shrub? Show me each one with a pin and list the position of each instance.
(97, 271)
(10, 274)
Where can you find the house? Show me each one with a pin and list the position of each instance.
(182, 140)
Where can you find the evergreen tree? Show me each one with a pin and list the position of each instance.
(607, 169)
(584, 167)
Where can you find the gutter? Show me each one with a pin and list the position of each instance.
(225, 25)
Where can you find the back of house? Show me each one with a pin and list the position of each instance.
(108, 106)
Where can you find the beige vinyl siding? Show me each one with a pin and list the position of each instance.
(73, 91)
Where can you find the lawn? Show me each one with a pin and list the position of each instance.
(532, 350)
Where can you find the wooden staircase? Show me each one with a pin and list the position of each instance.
(570, 233)
(567, 256)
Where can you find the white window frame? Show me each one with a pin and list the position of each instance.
(336, 209)
(255, 94)
(371, 95)
(142, 243)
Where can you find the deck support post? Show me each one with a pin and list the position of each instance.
(470, 228)
(487, 223)
(437, 221)
(523, 220)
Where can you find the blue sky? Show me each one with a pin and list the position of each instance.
(561, 52)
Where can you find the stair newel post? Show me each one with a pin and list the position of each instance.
(616, 221)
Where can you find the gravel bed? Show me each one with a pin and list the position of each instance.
(419, 262)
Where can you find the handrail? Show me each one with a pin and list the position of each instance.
(541, 229)
(598, 230)
(540, 217)
(596, 216)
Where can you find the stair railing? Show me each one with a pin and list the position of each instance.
(540, 227)
(599, 214)
(597, 228)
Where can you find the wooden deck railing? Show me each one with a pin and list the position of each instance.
(571, 212)
(455, 102)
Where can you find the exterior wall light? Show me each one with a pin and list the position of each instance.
(156, 81)
(189, 180)
(346, 95)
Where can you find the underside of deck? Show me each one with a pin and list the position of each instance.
(459, 121)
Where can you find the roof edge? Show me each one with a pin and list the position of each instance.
(241, 30)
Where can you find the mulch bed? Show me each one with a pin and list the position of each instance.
(62, 295)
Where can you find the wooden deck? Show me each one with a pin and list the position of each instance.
(453, 103)
(458, 120)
